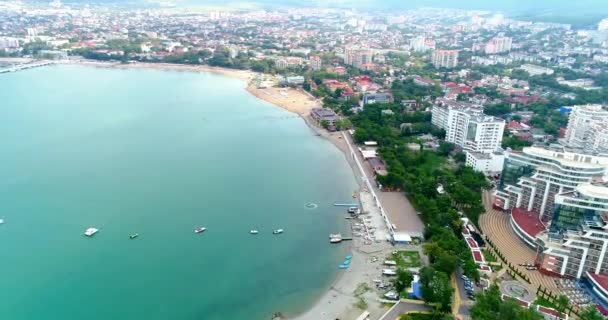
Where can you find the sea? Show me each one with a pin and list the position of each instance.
(160, 153)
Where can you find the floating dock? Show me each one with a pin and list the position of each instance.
(337, 204)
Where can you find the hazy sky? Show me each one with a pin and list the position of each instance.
(576, 10)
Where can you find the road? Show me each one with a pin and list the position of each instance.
(465, 303)
(404, 307)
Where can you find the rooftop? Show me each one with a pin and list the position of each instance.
(528, 221)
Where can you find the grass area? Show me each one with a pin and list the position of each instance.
(544, 302)
(361, 304)
(496, 268)
(407, 259)
(361, 289)
(419, 316)
(487, 254)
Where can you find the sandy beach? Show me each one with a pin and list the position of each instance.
(293, 100)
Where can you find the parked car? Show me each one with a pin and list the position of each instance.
(392, 295)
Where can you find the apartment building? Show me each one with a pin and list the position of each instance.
(499, 45)
(445, 58)
(315, 63)
(467, 126)
(588, 128)
(357, 57)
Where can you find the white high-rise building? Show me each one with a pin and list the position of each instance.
(315, 63)
(357, 57)
(418, 44)
(479, 135)
(588, 128)
(499, 45)
(467, 127)
(445, 58)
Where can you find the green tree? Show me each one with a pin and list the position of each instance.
(445, 148)
(404, 280)
(591, 313)
(490, 306)
(561, 303)
(436, 289)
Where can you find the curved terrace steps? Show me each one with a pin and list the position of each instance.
(496, 225)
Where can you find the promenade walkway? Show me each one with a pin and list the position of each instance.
(396, 209)
(496, 225)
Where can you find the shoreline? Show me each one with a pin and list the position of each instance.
(339, 300)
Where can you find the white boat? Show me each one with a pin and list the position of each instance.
(253, 232)
(389, 272)
(1, 221)
(335, 240)
(199, 230)
(335, 235)
(390, 262)
(90, 231)
(278, 231)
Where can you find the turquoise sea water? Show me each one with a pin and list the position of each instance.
(160, 153)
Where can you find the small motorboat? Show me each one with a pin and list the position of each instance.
(1, 221)
(253, 232)
(335, 240)
(90, 231)
(335, 235)
(199, 230)
(343, 266)
(278, 231)
(133, 236)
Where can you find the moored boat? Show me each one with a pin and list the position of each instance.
(253, 231)
(199, 230)
(278, 231)
(133, 236)
(335, 235)
(90, 231)
(335, 240)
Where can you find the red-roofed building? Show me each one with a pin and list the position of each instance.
(551, 314)
(334, 85)
(477, 256)
(526, 225)
(347, 93)
(517, 126)
(471, 243)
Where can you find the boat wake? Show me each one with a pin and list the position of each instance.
(311, 206)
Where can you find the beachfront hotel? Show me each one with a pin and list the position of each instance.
(558, 204)
(531, 178)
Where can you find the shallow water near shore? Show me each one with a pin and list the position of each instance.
(160, 153)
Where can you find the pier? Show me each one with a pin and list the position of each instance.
(25, 66)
